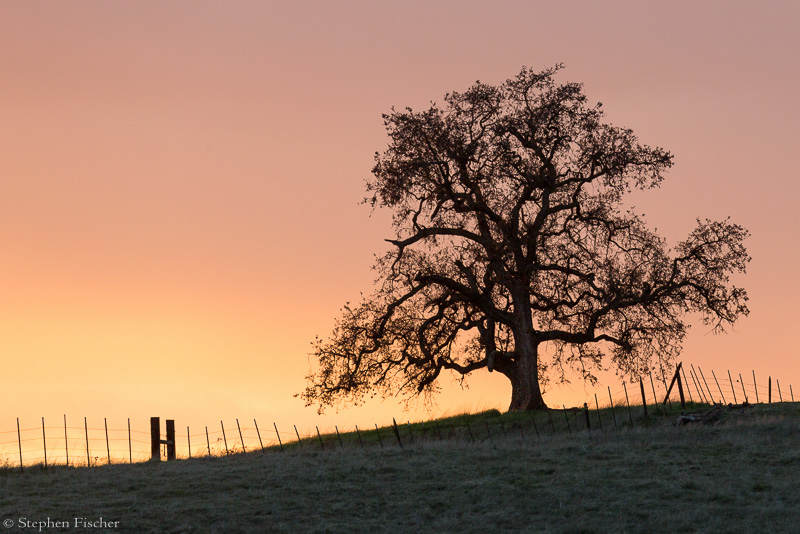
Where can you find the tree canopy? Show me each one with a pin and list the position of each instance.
(513, 253)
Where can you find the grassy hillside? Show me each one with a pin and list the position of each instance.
(736, 476)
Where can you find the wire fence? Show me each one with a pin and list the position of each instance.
(64, 443)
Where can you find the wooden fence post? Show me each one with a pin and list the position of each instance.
(396, 432)
(278, 434)
(644, 399)
(586, 412)
(66, 440)
(155, 438)
(696, 382)
(19, 439)
(741, 381)
(780, 397)
(171, 440)
(628, 402)
(706, 383)
(44, 444)
(676, 378)
(208, 442)
(688, 385)
(533, 418)
(599, 418)
(224, 439)
(108, 449)
(718, 387)
(358, 433)
(86, 430)
(378, 432)
(240, 435)
(299, 441)
(130, 449)
(259, 436)
(769, 391)
(338, 436)
(612, 406)
(189, 441)
(732, 388)
(566, 418)
(320, 440)
(680, 392)
(655, 397)
(755, 385)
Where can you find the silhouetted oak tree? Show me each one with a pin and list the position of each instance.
(513, 253)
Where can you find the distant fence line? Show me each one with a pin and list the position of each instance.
(84, 445)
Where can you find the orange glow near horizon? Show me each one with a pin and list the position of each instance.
(180, 184)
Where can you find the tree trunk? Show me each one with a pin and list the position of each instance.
(524, 377)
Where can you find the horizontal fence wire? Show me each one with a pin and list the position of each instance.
(67, 444)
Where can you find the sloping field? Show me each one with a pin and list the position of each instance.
(740, 475)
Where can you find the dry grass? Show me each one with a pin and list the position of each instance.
(740, 476)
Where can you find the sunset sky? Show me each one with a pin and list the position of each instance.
(180, 182)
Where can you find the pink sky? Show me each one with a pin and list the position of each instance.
(180, 181)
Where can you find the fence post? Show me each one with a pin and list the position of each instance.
(718, 387)
(359, 437)
(769, 391)
(108, 449)
(189, 441)
(599, 418)
(655, 397)
(780, 397)
(278, 434)
(628, 402)
(688, 385)
(696, 382)
(240, 435)
(741, 381)
(755, 385)
(680, 391)
(208, 442)
(44, 444)
(66, 440)
(155, 438)
(396, 432)
(586, 412)
(338, 436)
(732, 388)
(320, 440)
(259, 436)
(644, 400)
(533, 418)
(130, 449)
(566, 418)
(224, 439)
(378, 432)
(171, 440)
(19, 439)
(706, 383)
(612, 406)
(86, 430)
